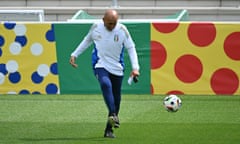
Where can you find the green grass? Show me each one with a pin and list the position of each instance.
(77, 119)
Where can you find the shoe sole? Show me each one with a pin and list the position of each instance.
(113, 122)
(107, 136)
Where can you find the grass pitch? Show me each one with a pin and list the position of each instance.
(80, 119)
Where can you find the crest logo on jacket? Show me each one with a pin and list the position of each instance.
(116, 38)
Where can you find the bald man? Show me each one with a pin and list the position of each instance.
(110, 38)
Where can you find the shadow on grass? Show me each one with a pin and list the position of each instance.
(63, 139)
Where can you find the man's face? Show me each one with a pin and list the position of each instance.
(110, 23)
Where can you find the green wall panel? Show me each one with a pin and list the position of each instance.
(82, 80)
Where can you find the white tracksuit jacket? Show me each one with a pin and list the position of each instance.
(109, 47)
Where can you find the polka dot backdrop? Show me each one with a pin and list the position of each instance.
(195, 58)
(186, 58)
(28, 63)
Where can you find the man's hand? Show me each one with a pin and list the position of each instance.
(135, 73)
(72, 61)
(133, 77)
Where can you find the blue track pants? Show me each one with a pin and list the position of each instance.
(111, 89)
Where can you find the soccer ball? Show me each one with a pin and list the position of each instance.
(172, 103)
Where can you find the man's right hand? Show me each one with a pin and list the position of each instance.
(72, 61)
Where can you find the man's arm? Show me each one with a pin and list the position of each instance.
(130, 46)
(87, 41)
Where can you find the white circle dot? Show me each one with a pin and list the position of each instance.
(36, 49)
(12, 66)
(15, 48)
(12, 92)
(20, 29)
(2, 78)
(43, 70)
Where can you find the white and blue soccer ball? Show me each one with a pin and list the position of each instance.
(172, 103)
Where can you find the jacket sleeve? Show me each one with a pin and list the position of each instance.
(86, 42)
(130, 46)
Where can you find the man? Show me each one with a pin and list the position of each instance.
(109, 38)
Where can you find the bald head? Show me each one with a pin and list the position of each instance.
(111, 14)
(110, 19)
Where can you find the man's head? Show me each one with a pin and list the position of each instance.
(110, 19)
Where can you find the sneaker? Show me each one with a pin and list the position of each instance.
(109, 134)
(114, 121)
